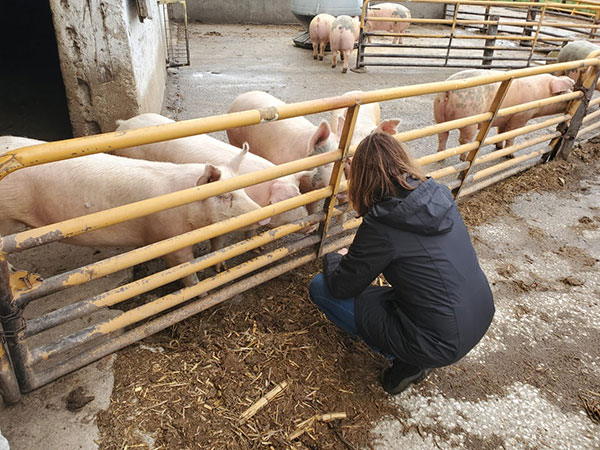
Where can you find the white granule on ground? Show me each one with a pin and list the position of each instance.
(523, 419)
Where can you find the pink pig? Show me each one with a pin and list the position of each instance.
(53, 192)
(476, 100)
(208, 150)
(319, 30)
(368, 121)
(392, 10)
(344, 33)
(284, 140)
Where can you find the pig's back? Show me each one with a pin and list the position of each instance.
(270, 138)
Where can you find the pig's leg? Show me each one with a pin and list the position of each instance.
(333, 59)
(179, 257)
(322, 52)
(512, 124)
(217, 243)
(315, 45)
(442, 140)
(466, 135)
(346, 59)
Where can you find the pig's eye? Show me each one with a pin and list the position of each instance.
(226, 198)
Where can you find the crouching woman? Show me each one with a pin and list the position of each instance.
(439, 304)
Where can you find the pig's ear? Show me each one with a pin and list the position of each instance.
(211, 173)
(560, 85)
(320, 136)
(339, 126)
(236, 161)
(388, 126)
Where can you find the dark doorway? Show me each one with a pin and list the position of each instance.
(33, 103)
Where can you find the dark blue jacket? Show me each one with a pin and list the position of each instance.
(440, 303)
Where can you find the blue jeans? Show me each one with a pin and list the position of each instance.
(339, 311)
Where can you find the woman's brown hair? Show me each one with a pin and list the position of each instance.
(379, 166)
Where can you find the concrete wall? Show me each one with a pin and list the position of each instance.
(425, 10)
(274, 11)
(113, 65)
(241, 11)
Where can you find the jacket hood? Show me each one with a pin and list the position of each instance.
(426, 210)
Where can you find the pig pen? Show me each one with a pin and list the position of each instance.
(274, 334)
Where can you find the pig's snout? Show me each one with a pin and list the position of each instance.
(264, 221)
(342, 197)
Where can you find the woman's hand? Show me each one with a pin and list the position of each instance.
(342, 251)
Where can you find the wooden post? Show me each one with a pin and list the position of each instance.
(577, 108)
(483, 131)
(488, 53)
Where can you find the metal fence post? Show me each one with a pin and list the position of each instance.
(13, 325)
(577, 109)
(488, 53)
(9, 386)
(537, 35)
(483, 131)
(452, 31)
(360, 52)
(527, 29)
(336, 174)
(593, 29)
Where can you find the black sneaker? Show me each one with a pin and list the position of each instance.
(399, 376)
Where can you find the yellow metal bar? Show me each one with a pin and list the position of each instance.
(514, 148)
(506, 164)
(484, 22)
(406, 136)
(539, 103)
(450, 170)
(594, 102)
(526, 129)
(513, 4)
(468, 36)
(591, 116)
(102, 219)
(588, 129)
(445, 154)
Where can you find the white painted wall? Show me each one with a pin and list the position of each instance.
(113, 65)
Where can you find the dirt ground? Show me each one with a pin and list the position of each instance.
(532, 382)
